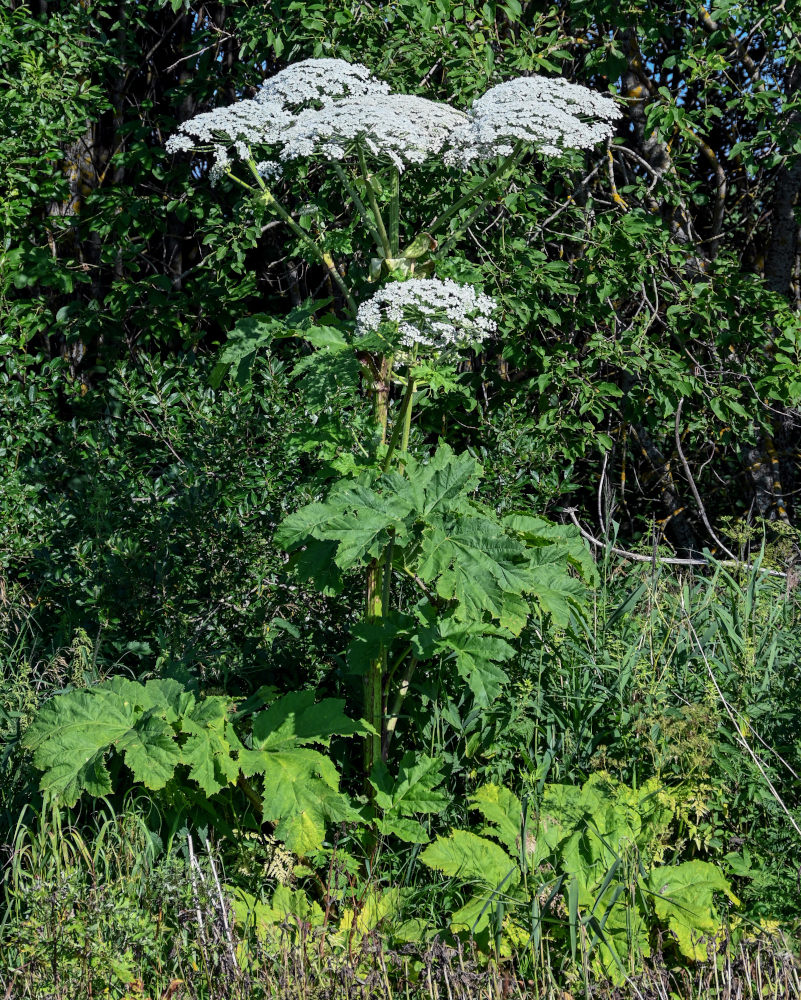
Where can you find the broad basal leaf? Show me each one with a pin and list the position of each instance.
(167, 696)
(468, 856)
(71, 735)
(415, 788)
(503, 812)
(211, 750)
(301, 794)
(555, 590)
(562, 538)
(683, 898)
(410, 831)
(150, 750)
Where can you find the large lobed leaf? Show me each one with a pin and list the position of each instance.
(683, 897)
(158, 726)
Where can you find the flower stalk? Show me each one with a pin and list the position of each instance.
(323, 256)
(382, 230)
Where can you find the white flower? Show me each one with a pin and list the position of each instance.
(551, 114)
(220, 166)
(396, 127)
(316, 82)
(179, 144)
(305, 86)
(240, 124)
(269, 170)
(431, 314)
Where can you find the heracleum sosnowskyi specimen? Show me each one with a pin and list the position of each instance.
(333, 111)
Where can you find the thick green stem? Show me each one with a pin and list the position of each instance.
(402, 426)
(381, 394)
(382, 229)
(407, 423)
(457, 206)
(323, 256)
(394, 214)
(374, 598)
(374, 681)
(397, 705)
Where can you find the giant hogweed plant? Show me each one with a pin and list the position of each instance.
(449, 584)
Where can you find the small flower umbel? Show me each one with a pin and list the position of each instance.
(426, 319)
(317, 82)
(551, 115)
(427, 315)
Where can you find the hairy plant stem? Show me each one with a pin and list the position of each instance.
(382, 229)
(374, 600)
(402, 426)
(397, 705)
(323, 256)
(374, 681)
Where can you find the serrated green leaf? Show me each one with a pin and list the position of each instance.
(328, 373)
(151, 752)
(475, 564)
(356, 517)
(165, 695)
(296, 719)
(211, 745)
(413, 791)
(683, 898)
(69, 738)
(503, 811)
(477, 651)
(328, 337)
(474, 916)
(301, 794)
(468, 856)
(437, 488)
(410, 831)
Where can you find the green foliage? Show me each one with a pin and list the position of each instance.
(595, 846)
(475, 570)
(160, 726)
(414, 792)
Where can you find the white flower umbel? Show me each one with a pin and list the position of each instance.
(396, 127)
(550, 114)
(429, 314)
(220, 166)
(243, 124)
(304, 86)
(315, 82)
